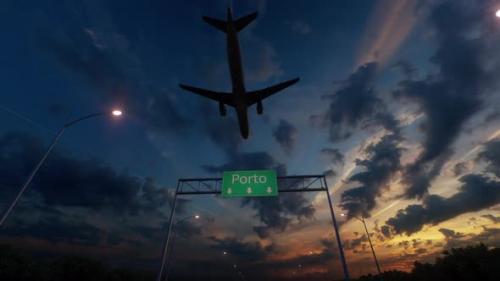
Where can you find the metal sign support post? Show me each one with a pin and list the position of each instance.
(170, 224)
(337, 234)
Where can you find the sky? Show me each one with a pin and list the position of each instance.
(397, 105)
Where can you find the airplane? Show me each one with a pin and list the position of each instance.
(240, 99)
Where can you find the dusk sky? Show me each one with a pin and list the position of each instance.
(398, 104)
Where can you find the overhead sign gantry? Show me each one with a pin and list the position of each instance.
(239, 181)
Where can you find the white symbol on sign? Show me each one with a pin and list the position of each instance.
(269, 189)
(229, 190)
(249, 190)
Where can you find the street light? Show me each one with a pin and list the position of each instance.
(115, 112)
(371, 245)
(165, 261)
(498, 13)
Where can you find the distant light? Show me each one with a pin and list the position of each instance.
(498, 13)
(196, 216)
(117, 112)
(342, 215)
(224, 253)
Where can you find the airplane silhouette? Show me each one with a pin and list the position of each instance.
(240, 98)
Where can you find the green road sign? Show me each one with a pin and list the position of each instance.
(249, 183)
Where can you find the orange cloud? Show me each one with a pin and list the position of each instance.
(388, 27)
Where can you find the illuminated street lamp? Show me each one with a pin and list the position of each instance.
(371, 245)
(114, 112)
(165, 261)
(498, 13)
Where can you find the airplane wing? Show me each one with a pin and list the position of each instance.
(256, 96)
(225, 98)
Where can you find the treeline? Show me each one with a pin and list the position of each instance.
(472, 263)
(18, 266)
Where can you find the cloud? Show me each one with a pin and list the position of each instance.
(276, 213)
(451, 96)
(388, 27)
(70, 182)
(248, 161)
(382, 163)
(489, 237)
(491, 155)
(106, 63)
(262, 61)
(492, 218)
(300, 27)
(285, 134)
(333, 155)
(240, 250)
(56, 230)
(450, 234)
(460, 169)
(477, 192)
(353, 103)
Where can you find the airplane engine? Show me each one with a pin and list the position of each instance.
(260, 108)
(222, 109)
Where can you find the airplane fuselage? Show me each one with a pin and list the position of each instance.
(237, 79)
(239, 98)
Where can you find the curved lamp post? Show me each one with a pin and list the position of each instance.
(115, 113)
(165, 261)
(371, 245)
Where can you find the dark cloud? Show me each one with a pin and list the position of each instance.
(381, 164)
(476, 193)
(276, 213)
(450, 234)
(460, 169)
(228, 138)
(239, 250)
(248, 161)
(355, 102)
(492, 218)
(333, 155)
(449, 98)
(56, 230)
(408, 70)
(285, 134)
(489, 237)
(356, 244)
(330, 173)
(115, 72)
(491, 155)
(57, 109)
(70, 182)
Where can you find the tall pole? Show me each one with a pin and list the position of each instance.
(337, 234)
(373, 251)
(40, 163)
(168, 260)
(31, 176)
(170, 224)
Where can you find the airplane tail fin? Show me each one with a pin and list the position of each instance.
(219, 24)
(239, 24)
(242, 22)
